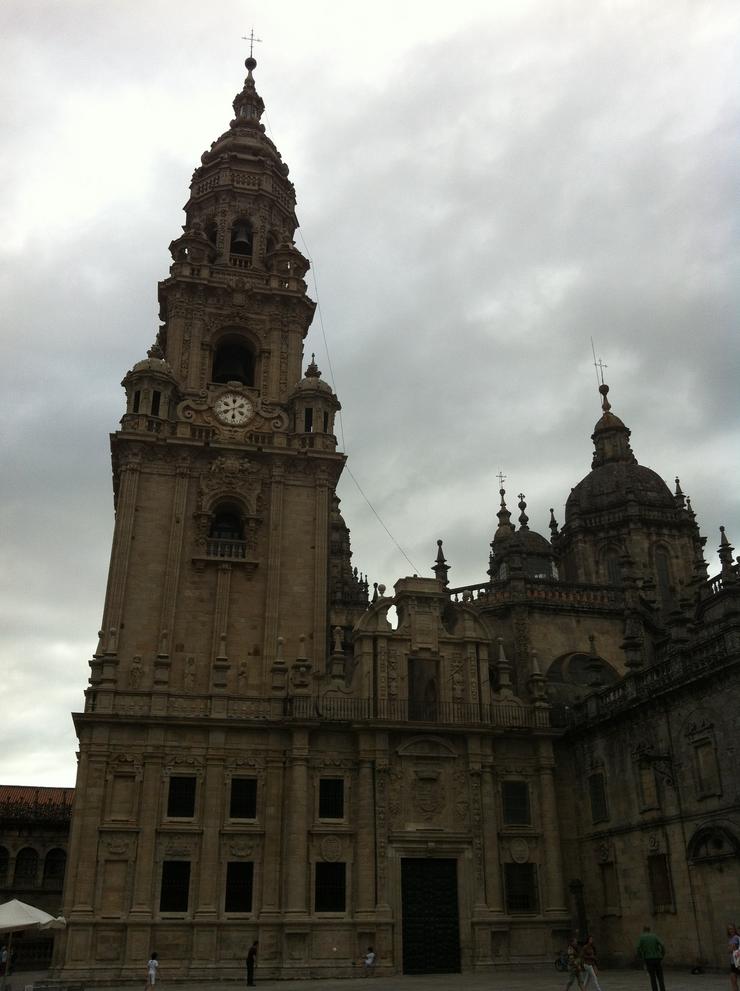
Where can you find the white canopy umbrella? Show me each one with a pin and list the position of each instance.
(15, 915)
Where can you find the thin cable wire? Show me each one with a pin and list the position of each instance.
(334, 387)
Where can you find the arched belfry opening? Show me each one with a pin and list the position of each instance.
(241, 238)
(233, 361)
(226, 523)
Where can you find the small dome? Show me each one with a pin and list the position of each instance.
(158, 365)
(312, 381)
(610, 485)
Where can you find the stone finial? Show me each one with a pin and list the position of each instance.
(678, 496)
(553, 524)
(440, 566)
(312, 371)
(375, 593)
(523, 518)
(725, 552)
(605, 404)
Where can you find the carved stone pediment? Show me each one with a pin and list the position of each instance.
(427, 746)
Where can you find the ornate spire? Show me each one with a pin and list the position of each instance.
(440, 566)
(725, 552)
(523, 518)
(248, 105)
(504, 516)
(313, 369)
(553, 524)
(611, 438)
(679, 496)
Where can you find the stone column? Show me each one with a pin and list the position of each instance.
(88, 813)
(209, 885)
(272, 819)
(174, 558)
(554, 891)
(321, 543)
(494, 891)
(272, 576)
(149, 817)
(297, 811)
(125, 509)
(365, 863)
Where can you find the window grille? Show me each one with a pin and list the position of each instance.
(597, 792)
(173, 896)
(243, 804)
(521, 888)
(239, 878)
(331, 798)
(181, 798)
(330, 887)
(515, 800)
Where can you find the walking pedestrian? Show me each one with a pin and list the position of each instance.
(588, 955)
(251, 963)
(151, 970)
(651, 951)
(733, 948)
(575, 965)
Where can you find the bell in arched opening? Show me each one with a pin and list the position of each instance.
(233, 362)
(241, 238)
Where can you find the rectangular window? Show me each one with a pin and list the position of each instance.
(156, 400)
(597, 791)
(331, 798)
(239, 876)
(661, 888)
(308, 420)
(243, 804)
(515, 800)
(331, 886)
(609, 887)
(521, 888)
(173, 896)
(707, 770)
(181, 798)
(648, 787)
(137, 401)
(326, 423)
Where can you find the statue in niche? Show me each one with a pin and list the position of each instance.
(189, 678)
(136, 673)
(242, 676)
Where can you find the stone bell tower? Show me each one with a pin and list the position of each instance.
(224, 468)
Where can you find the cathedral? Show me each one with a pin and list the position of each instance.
(458, 777)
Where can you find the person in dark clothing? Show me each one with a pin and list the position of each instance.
(651, 951)
(251, 962)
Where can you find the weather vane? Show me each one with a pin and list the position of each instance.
(252, 40)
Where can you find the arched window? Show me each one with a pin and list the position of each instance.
(241, 238)
(26, 867)
(233, 362)
(613, 568)
(663, 577)
(226, 524)
(54, 864)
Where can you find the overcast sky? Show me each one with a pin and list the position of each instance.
(482, 188)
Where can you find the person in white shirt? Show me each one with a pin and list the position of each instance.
(151, 970)
(369, 962)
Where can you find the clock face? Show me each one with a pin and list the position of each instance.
(233, 409)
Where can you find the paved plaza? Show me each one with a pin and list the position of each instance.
(514, 979)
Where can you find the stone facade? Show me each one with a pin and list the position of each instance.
(34, 832)
(264, 753)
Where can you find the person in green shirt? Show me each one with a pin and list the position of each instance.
(651, 951)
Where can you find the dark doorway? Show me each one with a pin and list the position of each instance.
(431, 927)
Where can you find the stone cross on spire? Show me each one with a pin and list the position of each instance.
(252, 40)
